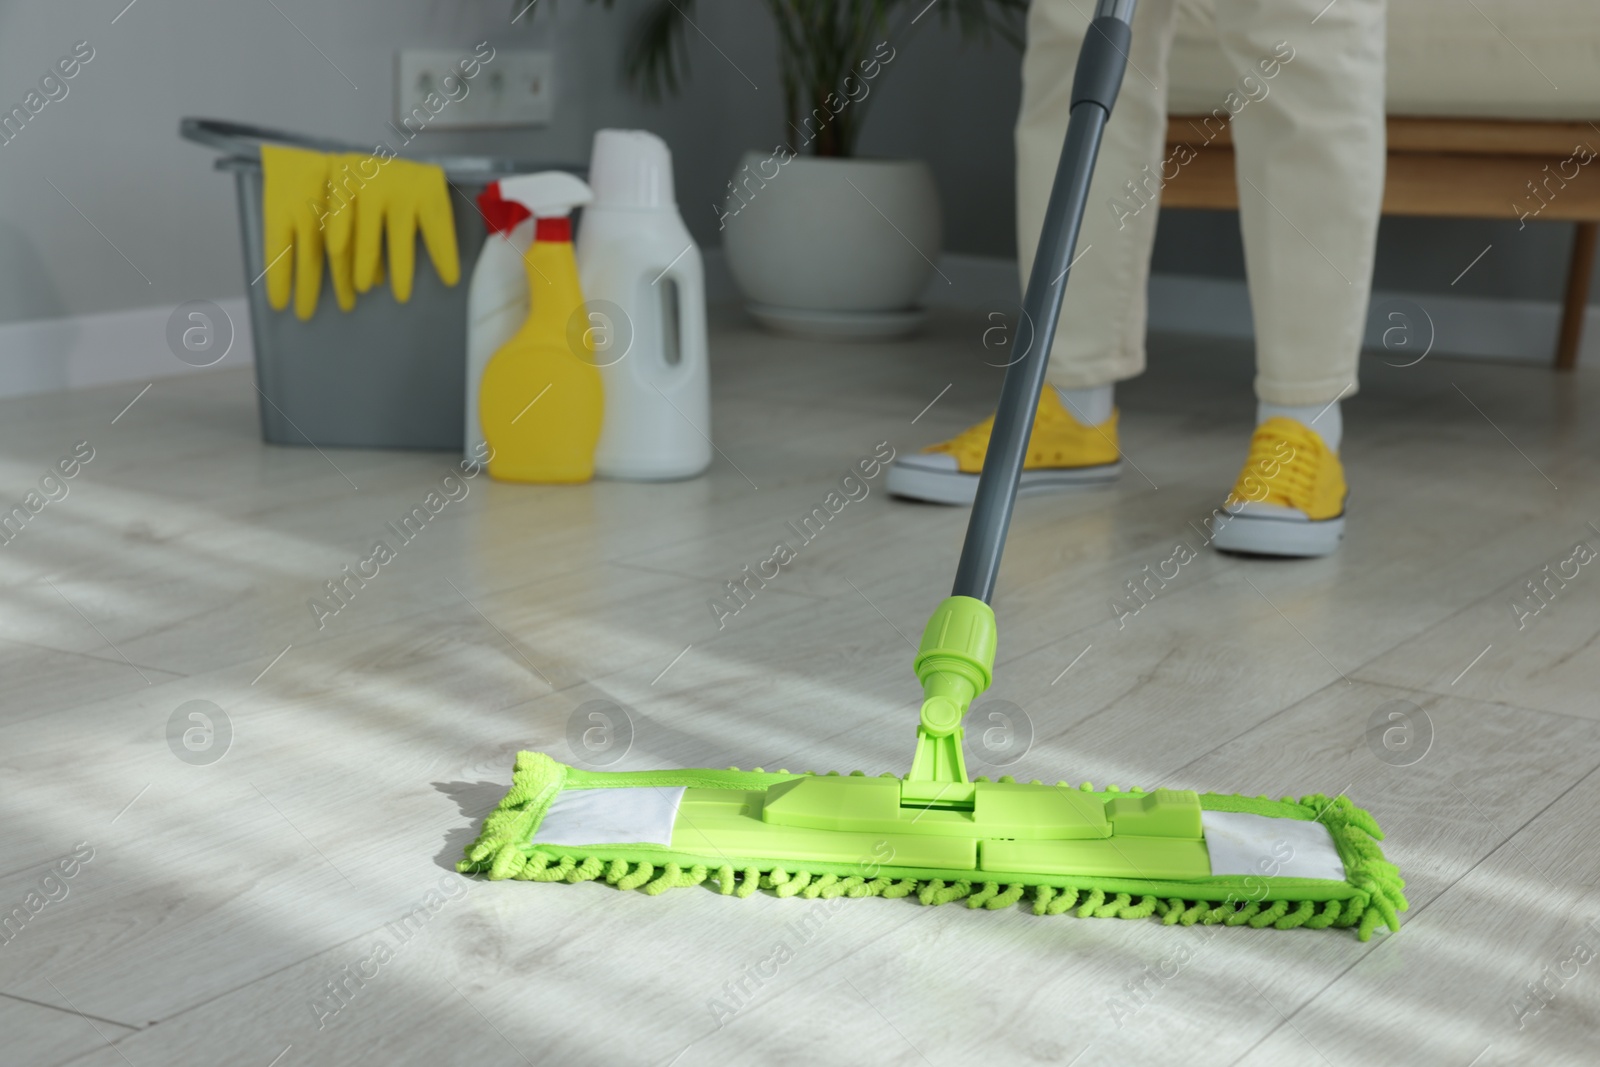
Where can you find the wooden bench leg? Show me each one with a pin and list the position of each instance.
(1576, 305)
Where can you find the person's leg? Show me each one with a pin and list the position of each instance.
(1101, 335)
(1310, 163)
(1308, 132)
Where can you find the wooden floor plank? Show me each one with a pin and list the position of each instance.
(223, 897)
(43, 1036)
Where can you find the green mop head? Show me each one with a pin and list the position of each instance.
(1187, 857)
(707, 826)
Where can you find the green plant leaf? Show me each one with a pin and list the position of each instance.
(822, 44)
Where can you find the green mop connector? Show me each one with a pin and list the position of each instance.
(955, 663)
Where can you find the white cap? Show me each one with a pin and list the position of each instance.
(550, 194)
(631, 169)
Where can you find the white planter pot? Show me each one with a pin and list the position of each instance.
(833, 247)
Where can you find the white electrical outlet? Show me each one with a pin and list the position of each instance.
(526, 95)
(512, 88)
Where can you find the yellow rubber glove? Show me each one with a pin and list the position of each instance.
(347, 176)
(402, 197)
(294, 199)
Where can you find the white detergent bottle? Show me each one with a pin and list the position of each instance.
(497, 298)
(644, 291)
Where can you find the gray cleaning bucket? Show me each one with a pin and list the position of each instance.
(385, 374)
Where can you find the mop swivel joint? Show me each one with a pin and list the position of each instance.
(955, 661)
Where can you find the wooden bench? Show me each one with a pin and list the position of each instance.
(1459, 168)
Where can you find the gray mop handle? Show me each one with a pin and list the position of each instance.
(1101, 62)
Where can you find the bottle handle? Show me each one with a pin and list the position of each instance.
(687, 274)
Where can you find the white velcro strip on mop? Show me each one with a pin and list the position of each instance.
(1241, 843)
(633, 816)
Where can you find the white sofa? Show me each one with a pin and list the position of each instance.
(1510, 59)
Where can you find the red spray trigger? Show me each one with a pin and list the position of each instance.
(499, 214)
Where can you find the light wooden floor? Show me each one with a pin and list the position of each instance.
(222, 899)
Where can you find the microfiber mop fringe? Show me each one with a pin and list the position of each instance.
(503, 851)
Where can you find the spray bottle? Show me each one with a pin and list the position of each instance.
(497, 299)
(541, 401)
(645, 284)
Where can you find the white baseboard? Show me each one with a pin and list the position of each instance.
(43, 355)
(1461, 326)
(1470, 327)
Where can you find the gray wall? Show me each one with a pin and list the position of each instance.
(948, 102)
(110, 146)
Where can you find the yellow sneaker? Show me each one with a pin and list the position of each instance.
(1289, 499)
(1062, 453)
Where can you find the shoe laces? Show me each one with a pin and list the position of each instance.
(973, 441)
(1282, 467)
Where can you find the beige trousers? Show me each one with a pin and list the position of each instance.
(1307, 114)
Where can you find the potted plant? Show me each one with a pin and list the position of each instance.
(821, 241)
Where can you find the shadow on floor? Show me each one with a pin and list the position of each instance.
(476, 800)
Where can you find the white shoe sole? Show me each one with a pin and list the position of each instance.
(954, 487)
(1265, 535)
